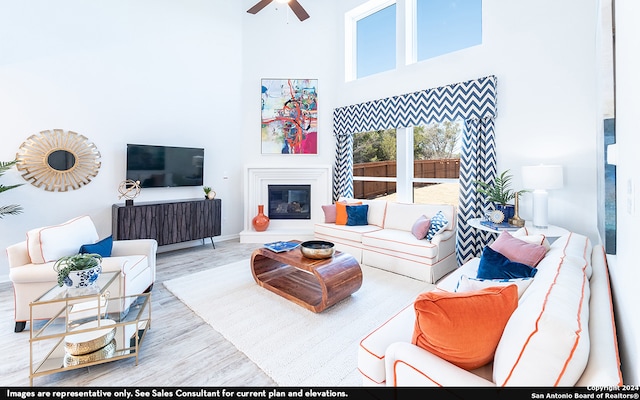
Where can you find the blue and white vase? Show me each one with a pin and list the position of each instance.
(83, 278)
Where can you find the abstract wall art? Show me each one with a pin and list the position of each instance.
(289, 122)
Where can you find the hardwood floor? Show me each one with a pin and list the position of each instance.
(180, 349)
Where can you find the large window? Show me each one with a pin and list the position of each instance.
(376, 38)
(444, 26)
(376, 42)
(424, 159)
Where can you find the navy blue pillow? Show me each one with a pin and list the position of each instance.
(102, 247)
(494, 265)
(357, 215)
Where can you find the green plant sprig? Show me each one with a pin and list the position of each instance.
(500, 191)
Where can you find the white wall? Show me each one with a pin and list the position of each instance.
(146, 71)
(624, 270)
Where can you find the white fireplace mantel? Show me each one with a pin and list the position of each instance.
(256, 183)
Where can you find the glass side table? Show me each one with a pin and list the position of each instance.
(82, 319)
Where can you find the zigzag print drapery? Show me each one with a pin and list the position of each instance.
(473, 101)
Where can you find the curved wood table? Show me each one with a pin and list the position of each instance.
(313, 284)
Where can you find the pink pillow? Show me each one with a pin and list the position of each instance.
(329, 213)
(517, 250)
(421, 227)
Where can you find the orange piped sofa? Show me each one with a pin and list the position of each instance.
(387, 242)
(562, 332)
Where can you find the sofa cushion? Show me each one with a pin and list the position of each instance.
(341, 212)
(401, 216)
(519, 250)
(377, 209)
(463, 328)
(438, 224)
(546, 341)
(421, 227)
(357, 214)
(494, 265)
(329, 213)
(536, 238)
(103, 247)
(52, 242)
(468, 284)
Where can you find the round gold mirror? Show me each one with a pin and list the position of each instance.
(58, 160)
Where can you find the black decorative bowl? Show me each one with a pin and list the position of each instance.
(317, 249)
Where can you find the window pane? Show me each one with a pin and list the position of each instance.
(376, 42)
(436, 152)
(374, 155)
(444, 26)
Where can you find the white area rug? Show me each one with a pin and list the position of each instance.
(294, 346)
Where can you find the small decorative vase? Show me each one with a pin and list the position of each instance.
(508, 211)
(211, 195)
(83, 278)
(260, 222)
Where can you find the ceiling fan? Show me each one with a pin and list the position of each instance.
(293, 4)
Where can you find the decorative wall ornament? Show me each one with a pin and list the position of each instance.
(289, 116)
(58, 160)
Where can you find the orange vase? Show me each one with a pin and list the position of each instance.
(260, 222)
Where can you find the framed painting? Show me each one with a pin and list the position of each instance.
(289, 120)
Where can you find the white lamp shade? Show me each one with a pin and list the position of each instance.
(542, 177)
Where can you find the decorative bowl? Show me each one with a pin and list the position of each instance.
(317, 249)
(91, 337)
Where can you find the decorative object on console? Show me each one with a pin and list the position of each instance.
(209, 193)
(58, 160)
(129, 190)
(289, 116)
(260, 222)
(78, 270)
(542, 178)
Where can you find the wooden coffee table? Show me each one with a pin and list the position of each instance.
(313, 284)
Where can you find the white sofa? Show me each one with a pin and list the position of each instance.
(386, 242)
(562, 332)
(31, 264)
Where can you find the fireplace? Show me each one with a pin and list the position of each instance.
(289, 201)
(258, 179)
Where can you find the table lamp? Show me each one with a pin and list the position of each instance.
(541, 178)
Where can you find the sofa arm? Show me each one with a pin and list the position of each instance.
(148, 247)
(18, 254)
(409, 365)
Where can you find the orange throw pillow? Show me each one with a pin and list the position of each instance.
(341, 211)
(464, 328)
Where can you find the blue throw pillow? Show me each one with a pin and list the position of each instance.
(494, 265)
(357, 215)
(102, 247)
(438, 224)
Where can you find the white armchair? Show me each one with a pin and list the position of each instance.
(31, 264)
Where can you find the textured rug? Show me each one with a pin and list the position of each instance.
(292, 345)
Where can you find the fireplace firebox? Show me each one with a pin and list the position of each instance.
(289, 201)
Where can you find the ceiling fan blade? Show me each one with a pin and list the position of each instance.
(259, 6)
(298, 10)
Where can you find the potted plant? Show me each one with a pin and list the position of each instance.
(78, 270)
(209, 193)
(11, 209)
(500, 193)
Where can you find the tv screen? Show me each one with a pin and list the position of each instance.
(165, 166)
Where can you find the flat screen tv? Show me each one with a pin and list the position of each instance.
(165, 166)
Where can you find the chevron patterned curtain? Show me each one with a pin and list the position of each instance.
(473, 101)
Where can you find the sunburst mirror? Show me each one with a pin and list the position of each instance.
(58, 160)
